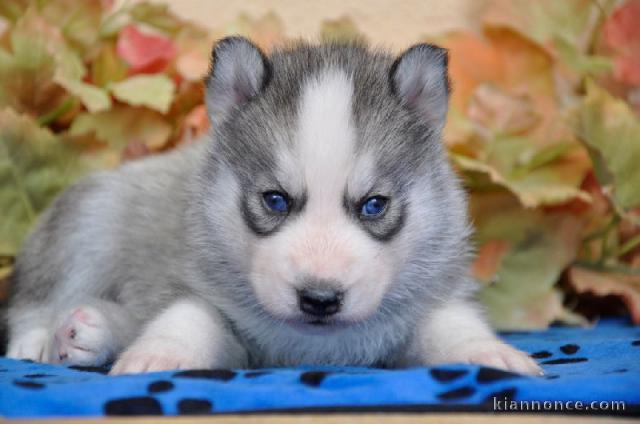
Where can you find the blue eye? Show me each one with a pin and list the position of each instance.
(276, 201)
(374, 206)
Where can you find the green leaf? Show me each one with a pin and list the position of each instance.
(538, 176)
(79, 20)
(543, 20)
(123, 125)
(93, 98)
(39, 56)
(29, 89)
(540, 248)
(35, 166)
(35, 42)
(108, 67)
(153, 91)
(580, 62)
(157, 16)
(548, 154)
(612, 132)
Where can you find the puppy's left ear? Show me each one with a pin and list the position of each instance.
(419, 79)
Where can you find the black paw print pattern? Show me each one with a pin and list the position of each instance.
(570, 352)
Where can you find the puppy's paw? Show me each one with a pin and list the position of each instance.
(32, 345)
(496, 354)
(83, 338)
(152, 355)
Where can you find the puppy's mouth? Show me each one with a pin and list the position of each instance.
(315, 325)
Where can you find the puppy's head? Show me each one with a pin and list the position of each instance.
(329, 173)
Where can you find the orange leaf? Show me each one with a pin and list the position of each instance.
(488, 259)
(472, 60)
(144, 52)
(626, 287)
(510, 62)
(195, 124)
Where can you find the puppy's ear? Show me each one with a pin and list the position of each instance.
(419, 78)
(239, 72)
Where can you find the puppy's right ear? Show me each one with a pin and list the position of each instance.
(239, 72)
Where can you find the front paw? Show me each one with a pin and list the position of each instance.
(32, 345)
(496, 354)
(157, 355)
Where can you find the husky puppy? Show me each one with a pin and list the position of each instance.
(320, 223)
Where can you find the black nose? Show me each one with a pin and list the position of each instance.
(320, 302)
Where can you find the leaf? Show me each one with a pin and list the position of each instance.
(26, 89)
(153, 91)
(621, 33)
(195, 125)
(506, 121)
(194, 50)
(34, 40)
(157, 16)
(473, 60)
(499, 112)
(39, 55)
(627, 69)
(340, 29)
(580, 63)
(79, 21)
(543, 21)
(510, 65)
(489, 259)
(621, 28)
(93, 98)
(540, 248)
(108, 67)
(625, 287)
(123, 125)
(612, 132)
(35, 166)
(516, 164)
(144, 52)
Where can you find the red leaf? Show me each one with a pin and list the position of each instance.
(621, 29)
(622, 33)
(628, 68)
(144, 52)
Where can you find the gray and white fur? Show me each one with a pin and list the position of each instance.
(179, 261)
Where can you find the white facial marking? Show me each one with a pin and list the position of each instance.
(326, 136)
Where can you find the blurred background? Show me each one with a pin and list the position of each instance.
(543, 126)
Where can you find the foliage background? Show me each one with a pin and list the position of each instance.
(543, 125)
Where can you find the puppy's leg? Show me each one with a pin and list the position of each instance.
(458, 333)
(92, 334)
(30, 333)
(188, 334)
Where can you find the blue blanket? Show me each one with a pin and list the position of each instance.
(593, 370)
